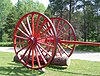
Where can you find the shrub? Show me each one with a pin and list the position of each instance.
(5, 37)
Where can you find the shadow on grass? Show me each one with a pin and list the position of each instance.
(16, 69)
(63, 69)
(55, 67)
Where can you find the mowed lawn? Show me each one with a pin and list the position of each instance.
(77, 68)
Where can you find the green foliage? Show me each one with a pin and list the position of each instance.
(27, 6)
(86, 22)
(5, 37)
(85, 48)
(5, 7)
(11, 21)
(90, 27)
(98, 38)
(56, 8)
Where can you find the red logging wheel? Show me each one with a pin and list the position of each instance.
(34, 33)
(65, 32)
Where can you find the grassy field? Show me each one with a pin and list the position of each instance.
(77, 68)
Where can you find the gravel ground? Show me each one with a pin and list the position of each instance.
(90, 56)
(7, 49)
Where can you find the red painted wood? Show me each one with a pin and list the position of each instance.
(80, 43)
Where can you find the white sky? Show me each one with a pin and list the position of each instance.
(45, 2)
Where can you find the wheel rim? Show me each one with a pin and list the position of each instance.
(65, 31)
(34, 33)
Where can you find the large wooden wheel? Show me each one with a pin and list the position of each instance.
(35, 38)
(65, 32)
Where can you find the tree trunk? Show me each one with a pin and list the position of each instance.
(84, 26)
(70, 9)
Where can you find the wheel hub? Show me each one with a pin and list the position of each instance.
(33, 40)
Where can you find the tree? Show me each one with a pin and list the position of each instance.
(10, 23)
(5, 8)
(84, 15)
(57, 7)
(26, 6)
(89, 26)
(97, 18)
(61, 8)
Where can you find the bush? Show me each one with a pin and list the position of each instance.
(87, 48)
(5, 37)
(98, 38)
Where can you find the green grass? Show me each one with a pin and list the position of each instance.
(77, 68)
